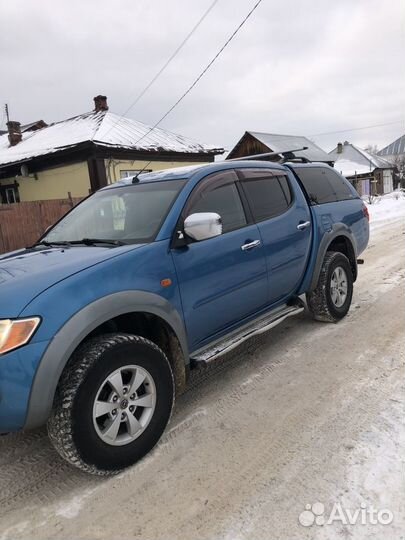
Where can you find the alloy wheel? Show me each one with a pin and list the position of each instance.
(124, 405)
(338, 286)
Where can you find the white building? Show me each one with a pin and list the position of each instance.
(369, 173)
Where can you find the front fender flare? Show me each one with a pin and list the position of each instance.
(77, 328)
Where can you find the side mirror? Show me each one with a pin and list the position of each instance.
(203, 225)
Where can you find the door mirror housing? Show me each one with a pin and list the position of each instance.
(203, 225)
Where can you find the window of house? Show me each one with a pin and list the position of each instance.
(9, 195)
(127, 174)
(220, 195)
(268, 195)
(323, 185)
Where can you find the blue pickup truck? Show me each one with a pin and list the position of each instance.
(104, 317)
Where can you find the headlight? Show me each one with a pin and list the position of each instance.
(14, 333)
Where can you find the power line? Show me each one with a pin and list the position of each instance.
(169, 60)
(203, 72)
(165, 65)
(355, 129)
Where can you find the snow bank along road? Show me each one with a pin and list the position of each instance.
(310, 412)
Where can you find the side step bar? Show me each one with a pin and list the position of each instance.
(203, 356)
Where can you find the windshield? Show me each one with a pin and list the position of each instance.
(132, 214)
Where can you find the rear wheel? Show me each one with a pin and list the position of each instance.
(331, 299)
(112, 404)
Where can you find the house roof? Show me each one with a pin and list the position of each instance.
(354, 160)
(352, 168)
(395, 148)
(103, 128)
(282, 143)
(32, 126)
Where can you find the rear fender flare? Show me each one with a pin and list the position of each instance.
(338, 229)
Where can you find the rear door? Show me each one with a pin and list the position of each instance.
(221, 282)
(284, 222)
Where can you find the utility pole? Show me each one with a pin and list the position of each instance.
(7, 115)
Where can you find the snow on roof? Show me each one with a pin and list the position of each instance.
(175, 173)
(280, 143)
(38, 124)
(358, 158)
(378, 162)
(395, 148)
(352, 168)
(103, 128)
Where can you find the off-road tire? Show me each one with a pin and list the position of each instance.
(73, 435)
(320, 300)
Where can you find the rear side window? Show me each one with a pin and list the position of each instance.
(323, 185)
(339, 185)
(268, 193)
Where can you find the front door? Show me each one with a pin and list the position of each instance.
(220, 283)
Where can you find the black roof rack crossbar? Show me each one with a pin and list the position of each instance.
(294, 159)
(287, 154)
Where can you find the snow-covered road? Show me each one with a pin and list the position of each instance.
(308, 413)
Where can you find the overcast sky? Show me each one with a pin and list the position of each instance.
(296, 67)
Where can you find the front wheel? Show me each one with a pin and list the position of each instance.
(112, 404)
(331, 299)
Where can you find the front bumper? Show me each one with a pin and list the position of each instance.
(17, 372)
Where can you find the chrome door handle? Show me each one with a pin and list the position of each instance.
(250, 245)
(302, 226)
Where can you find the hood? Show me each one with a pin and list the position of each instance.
(27, 273)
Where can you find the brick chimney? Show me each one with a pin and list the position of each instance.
(14, 132)
(340, 148)
(100, 103)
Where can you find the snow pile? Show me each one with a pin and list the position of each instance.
(386, 209)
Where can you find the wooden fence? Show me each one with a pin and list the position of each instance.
(21, 224)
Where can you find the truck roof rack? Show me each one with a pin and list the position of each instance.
(288, 155)
(295, 159)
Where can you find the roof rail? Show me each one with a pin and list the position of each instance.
(295, 159)
(287, 155)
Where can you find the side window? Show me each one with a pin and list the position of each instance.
(285, 186)
(323, 185)
(339, 186)
(268, 194)
(219, 194)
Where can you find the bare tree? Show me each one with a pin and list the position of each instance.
(399, 171)
(371, 148)
(372, 198)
